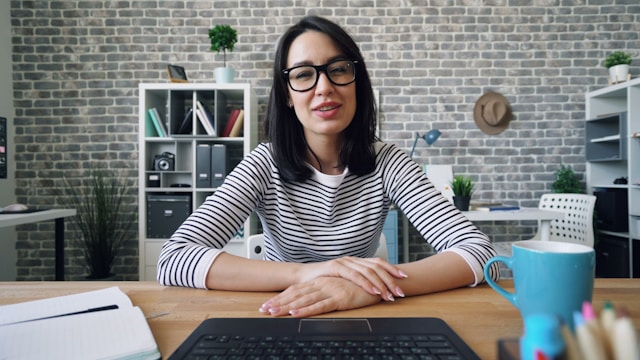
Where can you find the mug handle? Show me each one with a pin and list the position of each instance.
(507, 261)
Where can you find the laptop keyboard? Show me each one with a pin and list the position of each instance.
(409, 347)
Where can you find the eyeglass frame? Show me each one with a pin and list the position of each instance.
(320, 68)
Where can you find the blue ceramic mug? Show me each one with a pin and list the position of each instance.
(549, 277)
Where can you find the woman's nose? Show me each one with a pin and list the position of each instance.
(324, 85)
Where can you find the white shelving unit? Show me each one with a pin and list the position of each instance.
(177, 192)
(612, 144)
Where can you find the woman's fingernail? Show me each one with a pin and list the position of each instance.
(293, 312)
(399, 292)
(274, 310)
(390, 297)
(403, 274)
(376, 291)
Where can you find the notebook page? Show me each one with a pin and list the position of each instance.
(63, 305)
(116, 334)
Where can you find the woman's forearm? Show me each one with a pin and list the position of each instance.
(439, 272)
(230, 272)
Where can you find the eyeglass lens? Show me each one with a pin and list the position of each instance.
(303, 78)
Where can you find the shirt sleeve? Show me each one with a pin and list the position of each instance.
(186, 257)
(439, 222)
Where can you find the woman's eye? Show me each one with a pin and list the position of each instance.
(303, 74)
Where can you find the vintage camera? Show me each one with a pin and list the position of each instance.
(164, 162)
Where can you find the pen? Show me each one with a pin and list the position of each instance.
(624, 339)
(607, 321)
(590, 346)
(572, 350)
(90, 310)
(607, 316)
(591, 320)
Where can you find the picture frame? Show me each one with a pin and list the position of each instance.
(177, 74)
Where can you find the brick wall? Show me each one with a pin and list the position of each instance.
(77, 65)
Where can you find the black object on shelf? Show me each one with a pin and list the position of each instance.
(165, 213)
(612, 209)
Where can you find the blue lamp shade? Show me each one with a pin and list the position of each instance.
(430, 137)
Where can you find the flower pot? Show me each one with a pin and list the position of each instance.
(224, 75)
(462, 202)
(618, 73)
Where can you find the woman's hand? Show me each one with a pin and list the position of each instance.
(318, 296)
(374, 275)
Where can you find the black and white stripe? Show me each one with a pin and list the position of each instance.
(319, 219)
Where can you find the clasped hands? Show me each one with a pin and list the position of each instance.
(340, 284)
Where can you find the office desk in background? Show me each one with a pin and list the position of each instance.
(543, 216)
(36, 216)
(479, 315)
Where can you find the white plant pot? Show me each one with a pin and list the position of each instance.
(618, 73)
(224, 75)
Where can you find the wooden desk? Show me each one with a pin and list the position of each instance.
(544, 217)
(44, 215)
(479, 315)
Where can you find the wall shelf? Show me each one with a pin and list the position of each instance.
(612, 151)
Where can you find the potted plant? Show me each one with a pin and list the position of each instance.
(618, 64)
(103, 221)
(566, 182)
(462, 187)
(223, 38)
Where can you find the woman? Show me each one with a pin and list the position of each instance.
(322, 188)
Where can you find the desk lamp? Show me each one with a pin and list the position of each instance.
(430, 137)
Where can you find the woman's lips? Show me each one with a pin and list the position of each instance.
(326, 110)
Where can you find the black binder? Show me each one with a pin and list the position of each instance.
(218, 164)
(203, 166)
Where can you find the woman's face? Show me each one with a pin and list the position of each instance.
(326, 109)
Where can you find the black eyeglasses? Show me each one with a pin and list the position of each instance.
(305, 77)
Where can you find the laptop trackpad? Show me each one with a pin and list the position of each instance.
(333, 326)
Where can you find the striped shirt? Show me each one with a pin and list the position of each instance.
(325, 217)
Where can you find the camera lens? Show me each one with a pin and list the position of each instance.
(163, 164)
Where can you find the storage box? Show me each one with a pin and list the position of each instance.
(165, 212)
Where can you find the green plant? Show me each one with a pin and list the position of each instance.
(462, 185)
(223, 38)
(103, 222)
(617, 58)
(566, 181)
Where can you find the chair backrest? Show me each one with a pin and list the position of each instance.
(255, 247)
(577, 225)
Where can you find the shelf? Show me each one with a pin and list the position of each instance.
(606, 138)
(603, 137)
(612, 151)
(164, 207)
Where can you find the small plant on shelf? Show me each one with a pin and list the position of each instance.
(223, 38)
(617, 58)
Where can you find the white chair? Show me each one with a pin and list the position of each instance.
(575, 227)
(255, 247)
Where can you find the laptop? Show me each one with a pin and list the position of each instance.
(323, 338)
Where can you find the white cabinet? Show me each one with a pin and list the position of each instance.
(612, 145)
(178, 171)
